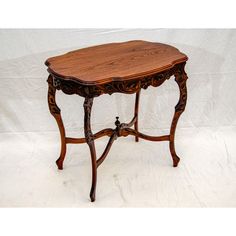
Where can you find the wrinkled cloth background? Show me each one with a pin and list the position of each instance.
(134, 174)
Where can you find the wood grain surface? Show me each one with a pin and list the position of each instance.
(115, 62)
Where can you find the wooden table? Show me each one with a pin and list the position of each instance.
(124, 67)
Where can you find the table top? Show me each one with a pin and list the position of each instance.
(115, 62)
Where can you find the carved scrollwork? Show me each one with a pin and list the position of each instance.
(87, 115)
(54, 109)
(181, 78)
(67, 86)
(115, 86)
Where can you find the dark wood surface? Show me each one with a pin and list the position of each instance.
(115, 62)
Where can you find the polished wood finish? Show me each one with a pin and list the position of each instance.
(118, 67)
(115, 62)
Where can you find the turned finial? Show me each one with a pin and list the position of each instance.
(117, 123)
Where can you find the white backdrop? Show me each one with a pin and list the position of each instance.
(205, 141)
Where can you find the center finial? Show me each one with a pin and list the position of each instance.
(117, 123)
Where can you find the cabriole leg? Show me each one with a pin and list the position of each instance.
(90, 141)
(56, 112)
(136, 113)
(180, 78)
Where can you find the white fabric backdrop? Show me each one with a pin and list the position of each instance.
(29, 137)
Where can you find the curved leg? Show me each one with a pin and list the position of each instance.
(136, 113)
(56, 112)
(180, 78)
(90, 141)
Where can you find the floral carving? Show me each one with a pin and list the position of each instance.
(181, 78)
(88, 102)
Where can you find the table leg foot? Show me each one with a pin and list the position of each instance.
(92, 195)
(180, 78)
(176, 160)
(59, 163)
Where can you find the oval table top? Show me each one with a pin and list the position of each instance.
(115, 62)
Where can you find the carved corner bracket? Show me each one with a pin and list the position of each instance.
(54, 109)
(181, 78)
